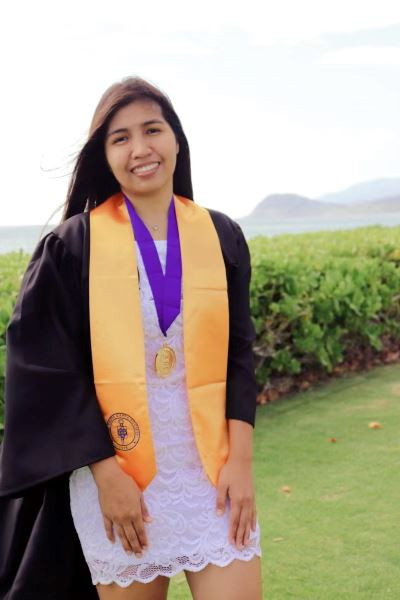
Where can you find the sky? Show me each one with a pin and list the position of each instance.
(297, 96)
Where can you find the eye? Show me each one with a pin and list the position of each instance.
(119, 139)
(153, 129)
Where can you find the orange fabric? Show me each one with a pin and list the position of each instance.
(117, 338)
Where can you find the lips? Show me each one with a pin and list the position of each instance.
(145, 168)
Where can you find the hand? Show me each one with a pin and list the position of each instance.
(122, 505)
(235, 479)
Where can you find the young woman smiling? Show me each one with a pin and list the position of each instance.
(134, 314)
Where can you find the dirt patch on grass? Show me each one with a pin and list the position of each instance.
(339, 493)
(377, 404)
(395, 389)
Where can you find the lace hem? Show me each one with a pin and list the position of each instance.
(105, 574)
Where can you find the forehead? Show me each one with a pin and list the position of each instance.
(136, 113)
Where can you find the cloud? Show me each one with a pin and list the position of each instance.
(362, 56)
(261, 115)
(265, 23)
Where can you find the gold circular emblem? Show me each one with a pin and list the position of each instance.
(164, 361)
(124, 431)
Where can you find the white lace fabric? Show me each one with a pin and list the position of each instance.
(185, 532)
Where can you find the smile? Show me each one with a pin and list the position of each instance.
(146, 169)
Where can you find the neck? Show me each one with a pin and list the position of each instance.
(152, 208)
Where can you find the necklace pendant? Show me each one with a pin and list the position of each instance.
(164, 361)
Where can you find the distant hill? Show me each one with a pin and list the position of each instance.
(355, 201)
(292, 206)
(366, 191)
(391, 204)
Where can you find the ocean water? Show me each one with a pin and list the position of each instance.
(23, 238)
(304, 225)
(26, 238)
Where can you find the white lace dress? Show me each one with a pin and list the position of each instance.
(185, 532)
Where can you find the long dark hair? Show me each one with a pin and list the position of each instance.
(92, 182)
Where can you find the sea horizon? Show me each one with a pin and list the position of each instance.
(17, 238)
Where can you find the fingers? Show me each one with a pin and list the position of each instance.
(128, 539)
(245, 516)
(109, 528)
(254, 519)
(140, 532)
(133, 539)
(123, 508)
(247, 534)
(130, 530)
(234, 518)
(222, 490)
(240, 522)
(145, 512)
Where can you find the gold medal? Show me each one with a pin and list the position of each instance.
(164, 360)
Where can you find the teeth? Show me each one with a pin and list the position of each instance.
(145, 168)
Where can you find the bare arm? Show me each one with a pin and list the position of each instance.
(240, 440)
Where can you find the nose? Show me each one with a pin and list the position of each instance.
(140, 147)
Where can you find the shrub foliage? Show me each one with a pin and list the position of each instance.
(312, 297)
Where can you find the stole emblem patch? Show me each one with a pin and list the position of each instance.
(124, 431)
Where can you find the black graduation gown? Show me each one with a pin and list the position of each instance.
(53, 423)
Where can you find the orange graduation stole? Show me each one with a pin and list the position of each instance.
(117, 338)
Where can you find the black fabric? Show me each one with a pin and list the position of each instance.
(52, 420)
(241, 385)
(40, 552)
(53, 424)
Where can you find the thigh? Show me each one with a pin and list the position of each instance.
(239, 580)
(154, 590)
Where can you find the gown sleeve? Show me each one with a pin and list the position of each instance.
(53, 423)
(241, 383)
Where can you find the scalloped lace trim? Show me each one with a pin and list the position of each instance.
(123, 576)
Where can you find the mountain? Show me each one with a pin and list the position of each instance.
(358, 200)
(383, 205)
(292, 206)
(366, 191)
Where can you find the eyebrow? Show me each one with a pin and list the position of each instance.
(121, 129)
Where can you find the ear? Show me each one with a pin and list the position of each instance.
(177, 148)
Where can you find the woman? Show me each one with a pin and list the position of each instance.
(130, 379)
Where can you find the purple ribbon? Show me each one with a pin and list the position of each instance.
(166, 288)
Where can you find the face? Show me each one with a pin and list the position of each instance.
(141, 149)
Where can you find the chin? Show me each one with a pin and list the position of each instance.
(147, 187)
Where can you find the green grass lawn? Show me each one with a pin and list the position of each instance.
(336, 533)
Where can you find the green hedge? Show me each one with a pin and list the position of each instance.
(312, 297)
(315, 295)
